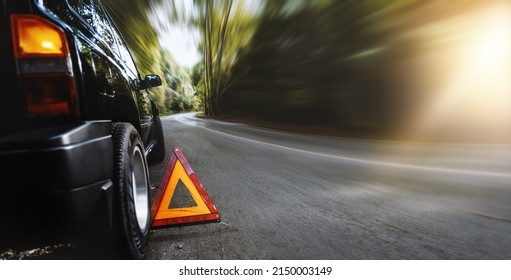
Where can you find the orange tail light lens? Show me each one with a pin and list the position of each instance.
(35, 36)
(44, 67)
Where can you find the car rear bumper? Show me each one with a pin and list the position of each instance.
(56, 179)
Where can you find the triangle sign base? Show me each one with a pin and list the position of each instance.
(179, 172)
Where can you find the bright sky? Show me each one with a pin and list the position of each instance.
(180, 40)
(182, 43)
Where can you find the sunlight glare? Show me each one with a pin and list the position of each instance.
(474, 95)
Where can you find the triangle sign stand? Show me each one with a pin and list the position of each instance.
(179, 172)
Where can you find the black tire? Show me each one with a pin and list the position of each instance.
(131, 214)
(158, 153)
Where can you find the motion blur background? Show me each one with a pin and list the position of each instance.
(402, 70)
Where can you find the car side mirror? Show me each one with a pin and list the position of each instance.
(150, 81)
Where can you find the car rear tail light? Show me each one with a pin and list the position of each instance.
(44, 67)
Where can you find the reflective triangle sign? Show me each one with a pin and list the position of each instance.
(181, 198)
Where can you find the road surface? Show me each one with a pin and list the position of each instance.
(294, 196)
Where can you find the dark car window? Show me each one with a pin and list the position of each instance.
(123, 52)
(91, 11)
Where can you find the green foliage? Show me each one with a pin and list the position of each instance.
(179, 92)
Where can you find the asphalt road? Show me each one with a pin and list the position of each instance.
(289, 196)
(294, 196)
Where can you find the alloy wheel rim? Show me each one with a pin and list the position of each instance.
(140, 189)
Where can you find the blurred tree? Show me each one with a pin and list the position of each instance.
(226, 27)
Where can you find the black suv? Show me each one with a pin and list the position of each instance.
(77, 128)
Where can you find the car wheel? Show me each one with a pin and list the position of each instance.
(157, 155)
(131, 219)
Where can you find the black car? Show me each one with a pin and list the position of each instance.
(77, 129)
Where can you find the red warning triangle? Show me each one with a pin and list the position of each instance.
(165, 213)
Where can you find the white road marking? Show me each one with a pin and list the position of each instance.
(343, 158)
